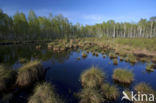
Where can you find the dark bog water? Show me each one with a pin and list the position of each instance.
(64, 68)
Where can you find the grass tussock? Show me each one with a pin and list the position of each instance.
(144, 88)
(149, 68)
(115, 61)
(44, 93)
(29, 73)
(96, 54)
(123, 76)
(89, 95)
(7, 78)
(112, 55)
(84, 55)
(131, 58)
(109, 92)
(92, 78)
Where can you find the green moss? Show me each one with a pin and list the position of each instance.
(109, 92)
(92, 78)
(123, 76)
(44, 93)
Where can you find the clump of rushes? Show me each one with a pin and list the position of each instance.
(92, 78)
(89, 95)
(93, 53)
(115, 61)
(121, 58)
(109, 92)
(131, 58)
(44, 93)
(84, 55)
(143, 59)
(144, 88)
(149, 68)
(123, 76)
(29, 73)
(7, 78)
(112, 55)
(96, 54)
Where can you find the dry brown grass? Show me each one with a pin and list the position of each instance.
(89, 95)
(92, 78)
(29, 73)
(44, 93)
(109, 92)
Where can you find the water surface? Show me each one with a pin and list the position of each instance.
(64, 69)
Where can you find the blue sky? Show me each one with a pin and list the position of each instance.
(85, 11)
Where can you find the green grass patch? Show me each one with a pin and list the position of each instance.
(123, 76)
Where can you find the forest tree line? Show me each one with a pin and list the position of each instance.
(19, 27)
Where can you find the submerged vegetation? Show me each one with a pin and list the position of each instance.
(123, 76)
(92, 78)
(29, 73)
(44, 93)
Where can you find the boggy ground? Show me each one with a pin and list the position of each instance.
(129, 49)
